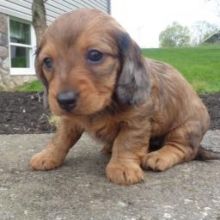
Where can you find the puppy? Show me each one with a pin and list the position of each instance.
(144, 111)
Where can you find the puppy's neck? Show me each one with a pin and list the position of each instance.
(111, 110)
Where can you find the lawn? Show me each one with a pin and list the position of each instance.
(34, 86)
(200, 66)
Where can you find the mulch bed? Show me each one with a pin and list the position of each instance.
(23, 113)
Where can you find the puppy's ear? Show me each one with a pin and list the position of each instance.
(41, 77)
(133, 84)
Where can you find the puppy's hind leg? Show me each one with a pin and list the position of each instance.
(181, 144)
(54, 154)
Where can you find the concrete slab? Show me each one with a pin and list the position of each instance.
(80, 190)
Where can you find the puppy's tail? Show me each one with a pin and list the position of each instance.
(205, 154)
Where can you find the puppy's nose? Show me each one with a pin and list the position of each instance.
(67, 99)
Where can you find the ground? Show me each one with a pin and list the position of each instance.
(80, 190)
(23, 113)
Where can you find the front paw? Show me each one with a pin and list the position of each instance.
(124, 172)
(157, 161)
(46, 160)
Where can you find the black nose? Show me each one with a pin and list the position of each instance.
(67, 100)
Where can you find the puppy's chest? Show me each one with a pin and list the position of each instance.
(103, 128)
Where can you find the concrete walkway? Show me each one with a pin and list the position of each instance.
(80, 190)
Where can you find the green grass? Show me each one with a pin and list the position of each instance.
(200, 66)
(34, 86)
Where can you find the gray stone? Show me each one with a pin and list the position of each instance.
(3, 52)
(3, 72)
(3, 23)
(10, 82)
(5, 64)
(80, 190)
(3, 40)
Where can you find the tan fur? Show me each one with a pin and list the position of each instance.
(166, 107)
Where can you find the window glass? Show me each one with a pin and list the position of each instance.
(20, 32)
(20, 57)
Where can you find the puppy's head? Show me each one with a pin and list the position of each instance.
(86, 60)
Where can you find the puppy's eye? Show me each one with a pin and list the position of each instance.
(94, 56)
(48, 63)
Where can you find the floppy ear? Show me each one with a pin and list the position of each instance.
(41, 77)
(133, 84)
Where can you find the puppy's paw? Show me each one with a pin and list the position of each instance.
(124, 173)
(46, 160)
(157, 161)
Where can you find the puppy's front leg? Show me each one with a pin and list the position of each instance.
(130, 146)
(54, 154)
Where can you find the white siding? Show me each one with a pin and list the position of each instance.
(54, 8)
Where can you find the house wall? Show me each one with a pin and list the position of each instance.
(214, 39)
(4, 68)
(7, 82)
(22, 9)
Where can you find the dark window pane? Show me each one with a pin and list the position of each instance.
(20, 32)
(20, 57)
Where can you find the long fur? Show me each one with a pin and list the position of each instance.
(145, 113)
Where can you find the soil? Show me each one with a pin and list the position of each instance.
(23, 113)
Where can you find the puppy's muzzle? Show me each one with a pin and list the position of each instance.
(67, 100)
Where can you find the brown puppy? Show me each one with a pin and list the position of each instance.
(98, 82)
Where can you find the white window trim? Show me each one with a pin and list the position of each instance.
(23, 71)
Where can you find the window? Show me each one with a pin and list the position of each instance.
(22, 41)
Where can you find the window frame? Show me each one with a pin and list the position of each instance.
(32, 46)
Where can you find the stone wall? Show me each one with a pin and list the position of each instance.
(7, 81)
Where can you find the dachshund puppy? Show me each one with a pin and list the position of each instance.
(98, 82)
